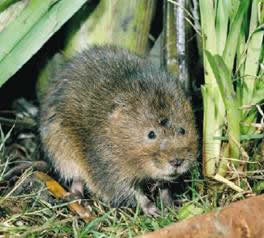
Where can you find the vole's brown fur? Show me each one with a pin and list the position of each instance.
(110, 120)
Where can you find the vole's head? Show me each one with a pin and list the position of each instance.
(153, 130)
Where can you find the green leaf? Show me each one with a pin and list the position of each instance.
(53, 14)
(258, 96)
(4, 4)
(17, 29)
(233, 36)
(222, 74)
(255, 43)
(224, 79)
(189, 210)
(242, 137)
(209, 35)
(221, 25)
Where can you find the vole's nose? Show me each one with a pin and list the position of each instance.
(176, 162)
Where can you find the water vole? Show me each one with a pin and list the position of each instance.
(111, 120)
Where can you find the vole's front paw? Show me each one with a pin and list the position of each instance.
(151, 210)
(147, 205)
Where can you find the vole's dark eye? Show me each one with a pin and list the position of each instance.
(164, 122)
(151, 135)
(181, 131)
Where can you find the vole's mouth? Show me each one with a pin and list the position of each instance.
(170, 177)
(171, 171)
(184, 167)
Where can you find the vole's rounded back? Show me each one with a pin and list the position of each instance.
(111, 120)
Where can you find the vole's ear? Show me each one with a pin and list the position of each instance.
(120, 100)
(116, 114)
(117, 109)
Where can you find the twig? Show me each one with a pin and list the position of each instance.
(59, 192)
(230, 184)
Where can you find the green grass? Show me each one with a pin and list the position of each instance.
(33, 217)
(28, 210)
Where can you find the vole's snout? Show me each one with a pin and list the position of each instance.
(176, 162)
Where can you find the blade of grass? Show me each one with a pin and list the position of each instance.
(4, 4)
(253, 54)
(224, 80)
(212, 101)
(209, 42)
(17, 29)
(233, 5)
(221, 25)
(258, 96)
(32, 41)
(212, 126)
(241, 50)
(234, 31)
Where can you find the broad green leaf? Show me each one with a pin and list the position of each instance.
(222, 74)
(221, 25)
(255, 43)
(209, 35)
(224, 80)
(39, 32)
(258, 96)
(17, 29)
(233, 36)
(4, 4)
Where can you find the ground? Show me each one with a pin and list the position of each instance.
(28, 209)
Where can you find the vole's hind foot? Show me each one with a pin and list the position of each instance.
(76, 197)
(77, 187)
(76, 191)
(69, 197)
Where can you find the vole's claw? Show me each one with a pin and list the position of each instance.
(152, 211)
(69, 197)
(147, 205)
(76, 191)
